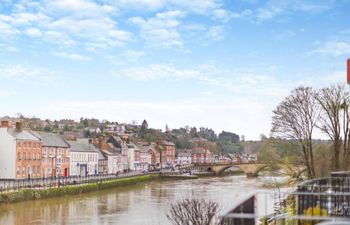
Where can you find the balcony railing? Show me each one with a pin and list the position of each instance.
(319, 201)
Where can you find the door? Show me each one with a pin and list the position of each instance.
(66, 172)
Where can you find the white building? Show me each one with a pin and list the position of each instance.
(83, 158)
(131, 156)
(184, 158)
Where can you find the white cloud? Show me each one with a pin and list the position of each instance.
(161, 30)
(6, 93)
(216, 33)
(156, 72)
(224, 15)
(67, 22)
(242, 83)
(80, 8)
(33, 32)
(132, 55)
(197, 6)
(72, 56)
(275, 8)
(26, 73)
(7, 31)
(140, 4)
(333, 48)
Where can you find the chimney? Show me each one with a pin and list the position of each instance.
(18, 126)
(5, 123)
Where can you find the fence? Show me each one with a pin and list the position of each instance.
(46, 183)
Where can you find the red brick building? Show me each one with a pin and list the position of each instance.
(201, 155)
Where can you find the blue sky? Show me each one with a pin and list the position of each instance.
(213, 63)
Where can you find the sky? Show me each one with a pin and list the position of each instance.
(222, 64)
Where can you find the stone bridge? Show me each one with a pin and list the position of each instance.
(250, 169)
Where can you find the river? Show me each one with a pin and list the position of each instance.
(144, 204)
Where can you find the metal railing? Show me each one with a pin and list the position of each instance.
(318, 201)
(46, 183)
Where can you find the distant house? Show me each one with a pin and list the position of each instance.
(120, 145)
(20, 153)
(131, 155)
(56, 154)
(111, 154)
(102, 163)
(168, 151)
(145, 156)
(72, 135)
(184, 157)
(201, 155)
(84, 158)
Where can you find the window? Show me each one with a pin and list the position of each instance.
(19, 144)
(18, 170)
(23, 171)
(24, 145)
(28, 156)
(33, 156)
(24, 156)
(38, 156)
(29, 145)
(18, 156)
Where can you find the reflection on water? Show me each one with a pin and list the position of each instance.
(141, 204)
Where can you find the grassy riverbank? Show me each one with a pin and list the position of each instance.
(33, 194)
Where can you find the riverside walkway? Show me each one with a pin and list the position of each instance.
(47, 183)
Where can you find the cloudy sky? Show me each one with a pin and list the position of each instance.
(223, 64)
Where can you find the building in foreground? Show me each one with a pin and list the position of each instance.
(20, 153)
(56, 154)
(83, 158)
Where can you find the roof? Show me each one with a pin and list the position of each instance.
(22, 135)
(101, 156)
(184, 154)
(82, 145)
(199, 150)
(167, 143)
(51, 139)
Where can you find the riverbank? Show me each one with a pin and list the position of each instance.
(35, 194)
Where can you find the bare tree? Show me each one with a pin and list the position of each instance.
(295, 118)
(334, 120)
(193, 212)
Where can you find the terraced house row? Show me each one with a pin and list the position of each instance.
(27, 154)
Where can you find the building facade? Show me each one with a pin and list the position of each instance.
(56, 155)
(201, 155)
(21, 153)
(83, 158)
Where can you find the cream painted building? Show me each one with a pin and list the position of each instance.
(83, 158)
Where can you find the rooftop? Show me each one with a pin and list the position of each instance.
(51, 139)
(82, 145)
(22, 135)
